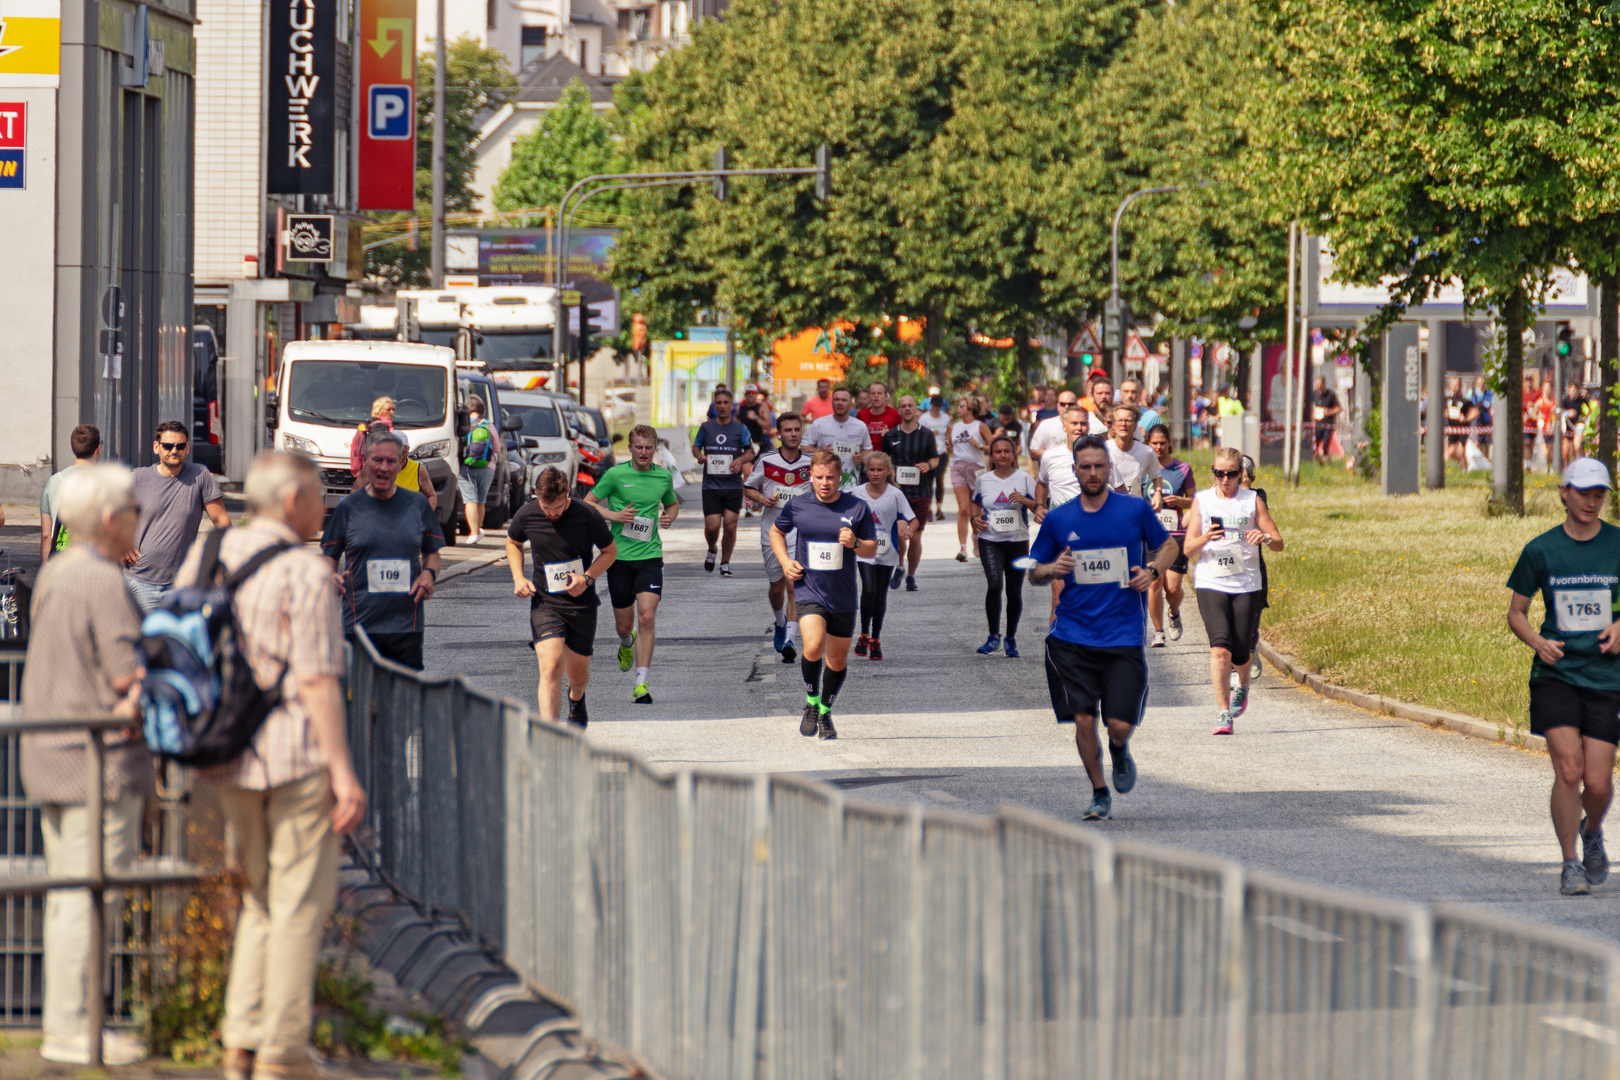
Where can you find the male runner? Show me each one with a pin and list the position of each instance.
(778, 476)
(1098, 545)
(1101, 405)
(1055, 482)
(834, 526)
(1130, 393)
(1136, 468)
(1172, 494)
(938, 421)
(843, 434)
(879, 416)
(820, 405)
(912, 449)
(1575, 676)
(723, 448)
(640, 499)
(1049, 433)
(1325, 411)
(562, 533)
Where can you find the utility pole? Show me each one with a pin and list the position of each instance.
(1115, 314)
(438, 146)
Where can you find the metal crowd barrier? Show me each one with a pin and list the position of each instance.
(724, 927)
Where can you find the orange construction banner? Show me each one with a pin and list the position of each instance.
(796, 358)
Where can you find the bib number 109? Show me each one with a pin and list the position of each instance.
(1582, 611)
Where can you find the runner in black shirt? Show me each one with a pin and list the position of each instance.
(912, 447)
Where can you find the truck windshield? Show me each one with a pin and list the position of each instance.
(497, 346)
(437, 335)
(339, 393)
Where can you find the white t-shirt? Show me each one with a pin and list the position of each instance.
(1131, 468)
(1047, 434)
(1057, 473)
(963, 435)
(888, 510)
(844, 439)
(941, 427)
(1233, 565)
(1005, 521)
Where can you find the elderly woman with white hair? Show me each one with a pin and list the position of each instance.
(84, 658)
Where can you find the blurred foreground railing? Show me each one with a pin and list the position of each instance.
(720, 926)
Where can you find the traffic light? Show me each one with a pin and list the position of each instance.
(588, 329)
(1088, 360)
(1566, 341)
(1116, 316)
(823, 172)
(720, 181)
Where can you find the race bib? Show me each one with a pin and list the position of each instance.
(845, 450)
(1003, 520)
(823, 555)
(1101, 566)
(557, 574)
(718, 465)
(640, 529)
(908, 475)
(1224, 563)
(882, 543)
(1582, 611)
(1169, 519)
(390, 575)
(1318, 412)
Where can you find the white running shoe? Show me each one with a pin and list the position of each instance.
(1175, 626)
(1158, 639)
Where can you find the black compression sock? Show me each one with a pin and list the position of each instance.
(812, 675)
(1099, 792)
(831, 683)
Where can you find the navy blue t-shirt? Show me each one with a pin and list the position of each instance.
(384, 541)
(1097, 608)
(818, 524)
(718, 440)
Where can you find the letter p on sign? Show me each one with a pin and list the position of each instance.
(391, 114)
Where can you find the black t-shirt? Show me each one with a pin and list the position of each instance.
(1572, 406)
(1457, 409)
(910, 448)
(1327, 399)
(1012, 429)
(568, 544)
(751, 417)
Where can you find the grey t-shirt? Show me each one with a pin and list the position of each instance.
(171, 511)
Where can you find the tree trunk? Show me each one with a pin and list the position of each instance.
(1609, 374)
(1510, 399)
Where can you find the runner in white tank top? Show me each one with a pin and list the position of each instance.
(970, 438)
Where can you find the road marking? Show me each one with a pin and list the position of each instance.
(942, 796)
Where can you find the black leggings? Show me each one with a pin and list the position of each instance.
(938, 481)
(874, 596)
(997, 557)
(1232, 621)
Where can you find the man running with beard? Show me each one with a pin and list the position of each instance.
(1172, 495)
(843, 434)
(778, 476)
(834, 527)
(724, 449)
(911, 447)
(1098, 545)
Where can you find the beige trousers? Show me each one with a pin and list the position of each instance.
(67, 911)
(282, 841)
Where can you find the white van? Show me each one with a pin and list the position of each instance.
(324, 393)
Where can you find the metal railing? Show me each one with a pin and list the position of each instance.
(722, 926)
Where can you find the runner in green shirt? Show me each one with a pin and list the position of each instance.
(1575, 676)
(641, 499)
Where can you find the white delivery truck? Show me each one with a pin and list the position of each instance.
(507, 332)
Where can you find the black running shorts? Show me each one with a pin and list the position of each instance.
(627, 577)
(840, 624)
(576, 626)
(1079, 678)
(1231, 620)
(1556, 703)
(714, 502)
(1180, 565)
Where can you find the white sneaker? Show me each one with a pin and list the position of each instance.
(1158, 639)
(1175, 626)
(117, 1048)
(476, 538)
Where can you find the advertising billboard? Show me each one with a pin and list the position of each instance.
(301, 143)
(386, 135)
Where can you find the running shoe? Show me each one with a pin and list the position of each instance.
(788, 655)
(1240, 701)
(642, 696)
(778, 637)
(1255, 671)
(961, 556)
(1009, 647)
(911, 583)
(576, 713)
(824, 726)
(1175, 626)
(811, 717)
(725, 569)
(894, 580)
(627, 653)
(860, 645)
(1158, 639)
(991, 644)
(1101, 806)
(876, 650)
(1223, 726)
(1124, 767)
(1573, 880)
(1593, 857)
(708, 562)
(939, 515)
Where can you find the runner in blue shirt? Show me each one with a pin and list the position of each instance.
(1099, 546)
(724, 448)
(831, 524)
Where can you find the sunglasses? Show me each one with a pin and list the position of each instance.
(171, 447)
(1226, 474)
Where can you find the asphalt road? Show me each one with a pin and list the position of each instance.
(1309, 787)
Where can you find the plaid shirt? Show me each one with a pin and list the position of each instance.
(291, 622)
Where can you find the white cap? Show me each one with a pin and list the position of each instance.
(1586, 472)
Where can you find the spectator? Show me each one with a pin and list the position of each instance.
(381, 410)
(85, 658)
(1480, 403)
(286, 800)
(53, 536)
(1457, 411)
(1230, 404)
(477, 466)
(1325, 411)
(173, 496)
(820, 405)
(391, 541)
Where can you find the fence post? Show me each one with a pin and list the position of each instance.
(583, 774)
(746, 1017)
(1234, 901)
(995, 958)
(684, 873)
(95, 971)
(1104, 888)
(916, 980)
(1425, 1003)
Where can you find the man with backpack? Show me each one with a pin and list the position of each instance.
(477, 467)
(286, 800)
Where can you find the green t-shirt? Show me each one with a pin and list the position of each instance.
(1577, 580)
(47, 508)
(625, 485)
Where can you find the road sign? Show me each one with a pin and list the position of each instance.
(1134, 349)
(387, 131)
(570, 297)
(13, 144)
(1085, 342)
(309, 237)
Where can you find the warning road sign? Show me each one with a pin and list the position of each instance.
(1085, 342)
(1134, 348)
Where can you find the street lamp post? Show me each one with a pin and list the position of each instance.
(1118, 365)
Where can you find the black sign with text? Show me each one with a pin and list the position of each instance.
(301, 143)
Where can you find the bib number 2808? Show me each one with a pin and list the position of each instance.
(1582, 611)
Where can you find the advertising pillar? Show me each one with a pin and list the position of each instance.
(1399, 431)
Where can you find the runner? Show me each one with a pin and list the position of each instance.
(820, 405)
(1265, 581)
(829, 525)
(938, 421)
(1002, 499)
(970, 438)
(1056, 483)
(1457, 409)
(723, 448)
(562, 534)
(1098, 545)
(641, 500)
(1050, 432)
(1575, 675)
(879, 416)
(1135, 467)
(1173, 494)
(911, 447)
(1147, 416)
(843, 434)
(1100, 404)
(893, 521)
(1225, 529)
(755, 414)
(778, 476)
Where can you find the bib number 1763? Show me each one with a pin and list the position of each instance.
(1582, 611)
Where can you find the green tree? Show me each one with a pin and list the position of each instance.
(571, 141)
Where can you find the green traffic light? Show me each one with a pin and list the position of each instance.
(1087, 359)
(1563, 348)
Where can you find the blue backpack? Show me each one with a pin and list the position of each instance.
(200, 703)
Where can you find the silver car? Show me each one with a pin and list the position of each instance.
(544, 439)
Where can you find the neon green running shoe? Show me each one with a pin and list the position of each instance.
(627, 653)
(641, 695)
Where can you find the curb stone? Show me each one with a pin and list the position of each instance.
(1470, 726)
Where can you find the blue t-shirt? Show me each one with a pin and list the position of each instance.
(818, 524)
(1106, 615)
(384, 541)
(1147, 420)
(731, 440)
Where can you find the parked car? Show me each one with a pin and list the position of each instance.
(545, 439)
(594, 441)
(621, 404)
(206, 433)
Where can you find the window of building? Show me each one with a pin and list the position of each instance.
(489, 14)
(532, 46)
(582, 47)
